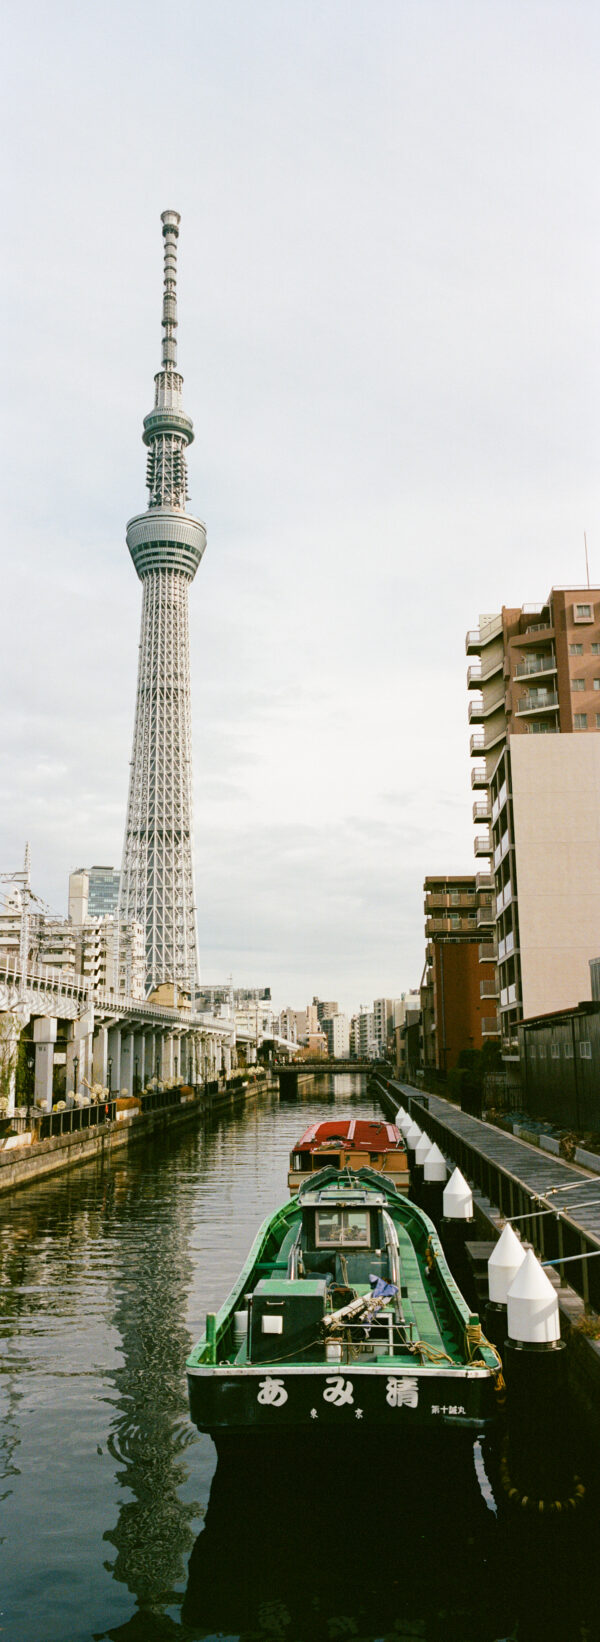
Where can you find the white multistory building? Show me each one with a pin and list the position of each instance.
(337, 1030)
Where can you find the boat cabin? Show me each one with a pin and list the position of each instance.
(354, 1143)
(346, 1240)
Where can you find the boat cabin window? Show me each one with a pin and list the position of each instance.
(335, 1228)
(302, 1161)
(322, 1159)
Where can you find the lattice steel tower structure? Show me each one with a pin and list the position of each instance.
(166, 544)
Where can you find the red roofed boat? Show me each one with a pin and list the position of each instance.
(353, 1143)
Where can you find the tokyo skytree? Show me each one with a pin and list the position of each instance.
(166, 544)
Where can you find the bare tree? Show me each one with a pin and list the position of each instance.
(9, 1045)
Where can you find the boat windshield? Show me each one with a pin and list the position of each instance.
(349, 1227)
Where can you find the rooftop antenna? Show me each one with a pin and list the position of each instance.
(587, 566)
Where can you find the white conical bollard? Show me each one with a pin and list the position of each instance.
(422, 1147)
(533, 1315)
(435, 1167)
(458, 1198)
(503, 1265)
(412, 1136)
(400, 1114)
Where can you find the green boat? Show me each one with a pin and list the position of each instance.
(345, 1313)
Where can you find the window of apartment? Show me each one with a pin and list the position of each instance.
(583, 612)
(555, 1051)
(598, 721)
(597, 683)
(595, 648)
(580, 721)
(578, 684)
(576, 649)
(542, 1051)
(532, 1052)
(568, 1051)
(585, 1049)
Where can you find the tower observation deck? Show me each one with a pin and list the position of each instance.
(166, 544)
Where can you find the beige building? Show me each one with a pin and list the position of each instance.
(536, 703)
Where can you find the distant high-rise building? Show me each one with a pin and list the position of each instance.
(337, 1030)
(166, 544)
(104, 891)
(536, 778)
(459, 991)
(93, 893)
(325, 1011)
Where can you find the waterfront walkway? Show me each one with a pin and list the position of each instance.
(554, 1204)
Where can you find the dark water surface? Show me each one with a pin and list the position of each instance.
(114, 1522)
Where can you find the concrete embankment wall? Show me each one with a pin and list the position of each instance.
(23, 1165)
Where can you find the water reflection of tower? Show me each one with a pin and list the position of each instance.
(150, 1431)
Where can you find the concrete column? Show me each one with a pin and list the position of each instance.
(139, 1055)
(100, 1056)
(149, 1056)
(127, 1042)
(218, 1057)
(44, 1037)
(114, 1056)
(83, 1034)
(166, 1070)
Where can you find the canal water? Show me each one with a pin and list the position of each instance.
(116, 1523)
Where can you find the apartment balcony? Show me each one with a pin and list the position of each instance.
(484, 881)
(490, 1027)
(535, 666)
(451, 902)
(485, 916)
(477, 743)
(482, 809)
(488, 988)
(479, 776)
(536, 633)
(488, 952)
(480, 710)
(478, 637)
(464, 924)
(479, 674)
(542, 701)
(508, 996)
(483, 844)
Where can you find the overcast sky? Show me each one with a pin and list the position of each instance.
(388, 304)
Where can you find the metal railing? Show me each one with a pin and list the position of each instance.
(537, 703)
(535, 664)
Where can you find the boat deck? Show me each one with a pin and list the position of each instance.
(418, 1304)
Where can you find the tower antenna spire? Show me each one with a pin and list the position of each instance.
(170, 221)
